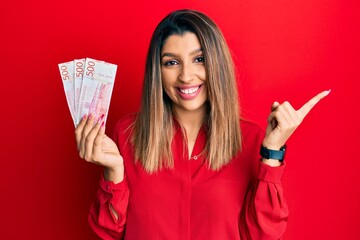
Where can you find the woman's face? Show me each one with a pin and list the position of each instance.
(183, 72)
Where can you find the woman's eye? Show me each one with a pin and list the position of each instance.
(170, 63)
(199, 59)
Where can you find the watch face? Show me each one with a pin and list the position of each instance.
(283, 149)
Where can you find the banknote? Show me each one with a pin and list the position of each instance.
(79, 67)
(67, 75)
(88, 87)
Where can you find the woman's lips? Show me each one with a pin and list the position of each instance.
(189, 93)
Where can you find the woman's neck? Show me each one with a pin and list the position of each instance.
(190, 120)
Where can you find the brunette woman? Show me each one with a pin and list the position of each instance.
(186, 166)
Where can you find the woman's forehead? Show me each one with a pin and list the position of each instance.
(187, 43)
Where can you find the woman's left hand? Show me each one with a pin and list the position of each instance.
(284, 119)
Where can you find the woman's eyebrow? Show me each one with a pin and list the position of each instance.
(196, 51)
(169, 54)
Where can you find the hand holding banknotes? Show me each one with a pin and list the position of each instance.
(88, 85)
(95, 147)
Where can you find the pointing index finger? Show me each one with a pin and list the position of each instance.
(305, 109)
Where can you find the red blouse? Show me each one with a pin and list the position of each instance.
(243, 200)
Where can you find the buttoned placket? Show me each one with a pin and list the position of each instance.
(187, 167)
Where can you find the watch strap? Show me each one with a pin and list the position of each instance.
(273, 154)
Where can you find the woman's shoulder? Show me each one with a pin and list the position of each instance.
(252, 133)
(124, 125)
(250, 127)
(126, 120)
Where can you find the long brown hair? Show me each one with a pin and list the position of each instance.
(153, 128)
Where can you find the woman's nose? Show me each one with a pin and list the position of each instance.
(186, 73)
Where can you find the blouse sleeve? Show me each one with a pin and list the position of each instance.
(264, 213)
(101, 218)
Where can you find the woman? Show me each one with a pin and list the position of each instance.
(186, 166)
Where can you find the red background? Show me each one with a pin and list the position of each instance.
(284, 50)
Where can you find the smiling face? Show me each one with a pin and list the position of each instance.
(183, 73)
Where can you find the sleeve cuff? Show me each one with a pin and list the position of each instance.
(270, 174)
(110, 187)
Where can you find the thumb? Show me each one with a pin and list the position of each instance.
(272, 123)
(274, 105)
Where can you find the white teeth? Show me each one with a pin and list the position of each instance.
(189, 90)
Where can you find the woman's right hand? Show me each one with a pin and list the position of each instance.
(95, 147)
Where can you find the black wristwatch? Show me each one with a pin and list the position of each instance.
(273, 154)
